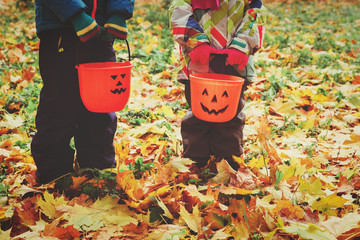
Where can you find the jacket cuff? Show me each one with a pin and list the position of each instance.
(198, 40)
(241, 45)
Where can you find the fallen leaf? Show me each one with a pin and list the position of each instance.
(308, 231)
(193, 220)
(328, 203)
(50, 203)
(225, 171)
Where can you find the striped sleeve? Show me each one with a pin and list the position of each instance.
(185, 29)
(250, 34)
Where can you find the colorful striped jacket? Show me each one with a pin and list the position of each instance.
(238, 24)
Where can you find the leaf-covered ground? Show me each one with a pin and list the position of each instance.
(299, 176)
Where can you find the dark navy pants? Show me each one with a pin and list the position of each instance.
(61, 114)
(223, 140)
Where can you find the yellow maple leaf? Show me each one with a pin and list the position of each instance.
(120, 218)
(295, 169)
(85, 218)
(309, 231)
(225, 172)
(181, 164)
(194, 192)
(167, 213)
(283, 108)
(328, 203)
(258, 162)
(122, 150)
(167, 111)
(193, 220)
(312, 187)
(49, 204)
(106, 203)
(161, 91)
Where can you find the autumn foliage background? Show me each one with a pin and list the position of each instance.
(299, 176)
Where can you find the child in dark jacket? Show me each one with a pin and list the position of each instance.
(73, 32)
(232, 28)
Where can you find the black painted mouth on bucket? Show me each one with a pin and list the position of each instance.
(118, 91)
(213, 111)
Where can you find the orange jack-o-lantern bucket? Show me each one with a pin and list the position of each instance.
(215, 97)
(105, 86)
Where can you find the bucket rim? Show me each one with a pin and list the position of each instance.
(227, 78)
(90, 66)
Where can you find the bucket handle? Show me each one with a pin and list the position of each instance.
(77, 52)
(127, 45)
(211, 54)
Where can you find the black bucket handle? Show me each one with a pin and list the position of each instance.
(211, 54)
(128, 47)
(77, 52)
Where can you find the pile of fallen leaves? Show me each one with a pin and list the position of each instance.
(299, 176)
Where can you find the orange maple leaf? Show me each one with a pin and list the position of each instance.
(288, 210)
(356, 80)
(28, 212)
(77, 181)
(68, 232)
(28, 73)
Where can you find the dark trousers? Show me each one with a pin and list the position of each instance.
(202, 139)
(61, 114)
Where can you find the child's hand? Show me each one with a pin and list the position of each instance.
(116, 25)
(201, 53)
(106, 36)
(85, 26)
(236, 57)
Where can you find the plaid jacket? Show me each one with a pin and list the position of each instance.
(238, 24)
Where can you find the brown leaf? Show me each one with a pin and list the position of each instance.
(351, 234)
(344, 185)
(244, 178)
(137, 230)
(69, 232)
(15, 55)
(28, 212)
(28, 73)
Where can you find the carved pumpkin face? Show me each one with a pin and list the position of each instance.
(215, 97)
(212, 106)
(118, 89)
(105, 86)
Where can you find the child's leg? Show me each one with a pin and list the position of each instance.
(57, 112)
(94, 140)
(196, 135)
(227, 137)
(95, 132)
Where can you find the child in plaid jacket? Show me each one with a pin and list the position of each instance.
(226, 27)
